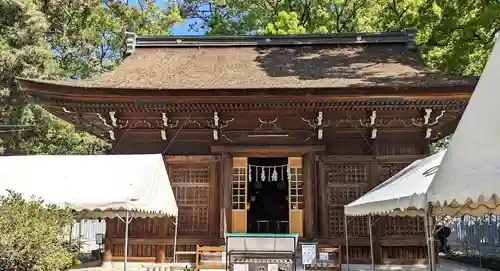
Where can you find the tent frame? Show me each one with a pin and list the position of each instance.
(127, 220)
(429, 235)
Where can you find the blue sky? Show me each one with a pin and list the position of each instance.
(179, 29)
(183, 29)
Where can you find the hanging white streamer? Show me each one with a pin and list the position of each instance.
(267, 173)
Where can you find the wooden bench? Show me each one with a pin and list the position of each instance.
(209, 257)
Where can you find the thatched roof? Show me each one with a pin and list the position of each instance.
(332, 61)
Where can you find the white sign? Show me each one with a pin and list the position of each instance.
(308, 254)
(240, 267)
(323, 256)
(272, 267)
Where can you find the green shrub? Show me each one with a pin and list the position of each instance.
(32, 235)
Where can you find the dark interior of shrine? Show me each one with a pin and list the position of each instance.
(268, 195)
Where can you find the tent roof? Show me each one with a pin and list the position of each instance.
(94, 185)
(467, 181)
(402, 194)
(469, 176)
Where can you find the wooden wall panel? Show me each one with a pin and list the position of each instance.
(345, 183)
(401, 143)
(195, 184)
(348, 143)
(346, 178)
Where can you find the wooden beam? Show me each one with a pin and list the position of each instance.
(266, 151)
(177, 95)
(370, 158)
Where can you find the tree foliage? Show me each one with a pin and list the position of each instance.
(455, 36)
(60, 38)
(32, 235)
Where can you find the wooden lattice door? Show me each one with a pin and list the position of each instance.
(239, 195)
(296, 195)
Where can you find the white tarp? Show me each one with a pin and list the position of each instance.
(94, 185)
(402, 194)
(468, 180)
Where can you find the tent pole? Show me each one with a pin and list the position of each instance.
(346, 242)
(371, 241)
(175, 237)
(427, 238)
(125, 249)
(431, 233)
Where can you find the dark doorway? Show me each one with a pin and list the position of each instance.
(268, 195)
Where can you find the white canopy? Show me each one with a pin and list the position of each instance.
(403, 194)
(468, 180)
(95, 185)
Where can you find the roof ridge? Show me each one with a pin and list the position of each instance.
(404, 36)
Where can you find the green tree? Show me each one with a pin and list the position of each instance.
(455, 36)
(23, 52)
(88, 37)
(32, 235)
(286, 23)
(60, 38)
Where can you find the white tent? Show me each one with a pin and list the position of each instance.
(403, 194)
(467, 180)
(96, 186)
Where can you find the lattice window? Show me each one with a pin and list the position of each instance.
(296, 188)
(240, 178)
(398, 225)
(347, 174)
(403, 226)
(339, 196)
(387, 170)
(138, 228)
(346, 182)
(357, 226)
(191, 186)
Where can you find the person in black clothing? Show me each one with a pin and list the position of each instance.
(442, 235)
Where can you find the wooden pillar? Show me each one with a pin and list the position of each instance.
(108, 244)
(215, 192)
(160, 253)
(322, 201)
(107, 250)
(163, 224)
(376, 220)
(309, 198)
(226, 185)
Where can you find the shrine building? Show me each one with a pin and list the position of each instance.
(269, 134)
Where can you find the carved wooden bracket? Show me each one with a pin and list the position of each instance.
(425, 121)
(218, 125)
(317, 124)
(114, 123)
(164, 124)
(372, 122)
